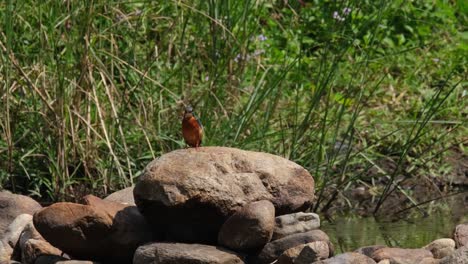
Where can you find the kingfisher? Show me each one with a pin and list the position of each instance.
(192, 129)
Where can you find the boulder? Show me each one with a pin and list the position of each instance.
(461, 235)
(441, 248)
(274, 249)
(368, 250)
(187, 194)
(99, 230)
(347, 258)
(12, 205)
(459, 256)
(124, 196)
(249, 228)
(401, 255)
(176, 253)
(295, 223)
(9, 248)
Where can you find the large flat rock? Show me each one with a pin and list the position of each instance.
(175, 253)
(187, 194)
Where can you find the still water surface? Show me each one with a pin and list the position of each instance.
(348, 234)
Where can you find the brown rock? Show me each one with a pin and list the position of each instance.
(100, 230)
(290, 254)
(33, 248)
(177, 253)
(12, 205)
(33, 245)
(401, 255)
(249, 228)
(274, 249)
(313, 251)
(347, 258)
(461, 235)
(191, 192)
(124, 196)
(368, 250)
(300, 222)
(305, 253)
(441, 248)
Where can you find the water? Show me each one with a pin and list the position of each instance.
(350, 233)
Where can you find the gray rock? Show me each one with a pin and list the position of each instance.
(461, 235)
(274, 249)
(249, 228)
(124, 196)
(401, 255)
(191, 192)
(459, 256)
(295, 223)
(176, 253)
(5, 252)
(347, 258)
(441, 248)
(12, 205)
(9, 248)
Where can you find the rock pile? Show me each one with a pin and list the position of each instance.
(210, 205)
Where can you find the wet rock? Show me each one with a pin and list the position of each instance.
(32, 245)
(459, 256)
(12, 205)
(191, 192)
(441, 248)
(347, 258)
(295, 223)
(9, 248)
(175, 253)
(368, 250)
(124, 196)
(99, 230)
(461, 235)
(305, 253)
(274, 249)
(249, 228)
(401, 255)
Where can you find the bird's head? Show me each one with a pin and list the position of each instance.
(188, 111)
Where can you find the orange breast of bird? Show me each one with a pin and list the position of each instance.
(192, 131)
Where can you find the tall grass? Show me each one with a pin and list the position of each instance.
(92, 90)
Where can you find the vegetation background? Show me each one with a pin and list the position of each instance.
(367, 95)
